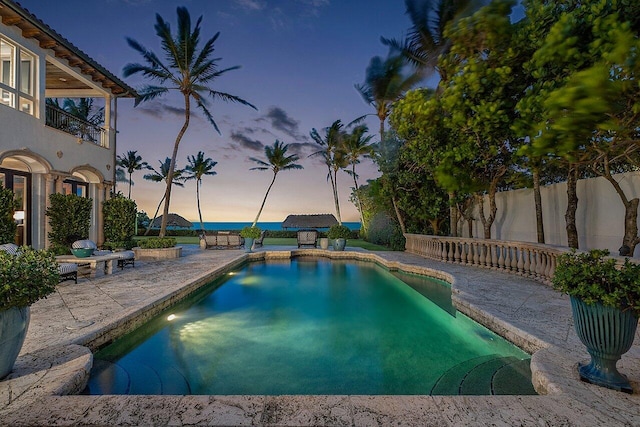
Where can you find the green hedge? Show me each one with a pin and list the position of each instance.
(119, 222)
(69, 218)
(157, 243)
(8, 205)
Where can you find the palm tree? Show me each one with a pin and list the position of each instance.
(185, 68)
(132, 162)
(333, 155)
(277, 160)
(385, 83)
(356, 145)
(162, 175)
(425, 41)
(197, 168)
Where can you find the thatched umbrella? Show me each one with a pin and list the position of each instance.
(173, 221)
(309, 221)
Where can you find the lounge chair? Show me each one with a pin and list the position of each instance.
(67, 270)
(307, 238)
(258, 242)
(224, 240)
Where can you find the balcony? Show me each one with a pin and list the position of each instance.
(81, 129)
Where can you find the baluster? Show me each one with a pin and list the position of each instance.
(487, 259)
(463, 250)
(547, 270)
(534, 262)
(542, 259)
(476, 253)
(514, 258)
(456, 251)
(443, 254)
(500, 249)
(526, 253)
(450, 252)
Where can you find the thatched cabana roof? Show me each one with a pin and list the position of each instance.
(173, 221)
(309, 221)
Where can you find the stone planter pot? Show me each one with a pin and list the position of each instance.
(339, 244)
(13, 329)
(248, 244)
(324, 243)
(608, 333)
(158, 254)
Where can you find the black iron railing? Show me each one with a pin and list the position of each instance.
(62, 120)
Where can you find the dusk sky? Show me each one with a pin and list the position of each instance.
(300, 60)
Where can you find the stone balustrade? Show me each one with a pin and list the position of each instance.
(531, 260)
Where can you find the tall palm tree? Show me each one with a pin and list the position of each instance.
(332, 152)
(187, 69)
(425, 40)
(132, 162)
(385, 83)
(277, 160)
(357, 144)
(197, 168)
(162, 175)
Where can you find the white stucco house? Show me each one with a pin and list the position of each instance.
(43, 149)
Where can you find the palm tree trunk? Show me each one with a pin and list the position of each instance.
(129, 186)
(355, 183)
(155, 215)
(172, 166)
(198, 200)
(335, 196)
(255, 221)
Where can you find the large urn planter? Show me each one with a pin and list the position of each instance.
(608, 333)
(605, 301)
(249, 234)
(248, 244)
(339, 234)
(339, 244)
(324, 243)
(14, 323)
(37, 278)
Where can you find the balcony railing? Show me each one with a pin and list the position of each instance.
(62, 120)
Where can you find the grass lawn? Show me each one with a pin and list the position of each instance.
(273, 241)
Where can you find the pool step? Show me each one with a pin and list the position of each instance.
(486, 375)
(113, 378)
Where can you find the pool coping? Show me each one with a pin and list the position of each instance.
(55, 371)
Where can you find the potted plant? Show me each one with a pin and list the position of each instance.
(25, 277)
(339, 234)
(250, 234)
(605, 300)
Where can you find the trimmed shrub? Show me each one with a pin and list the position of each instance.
(383, 230)
(69, 218)
(119, 222)
(157, 243)
(26, 277)
(8, 206)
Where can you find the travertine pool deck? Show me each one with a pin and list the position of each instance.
(56, 356)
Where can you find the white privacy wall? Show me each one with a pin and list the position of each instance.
(599, 218)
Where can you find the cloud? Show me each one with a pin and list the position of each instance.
(281, 121)
(246, 142)
(159, 110)
(251, 5)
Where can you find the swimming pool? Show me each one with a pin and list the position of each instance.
(313, 326)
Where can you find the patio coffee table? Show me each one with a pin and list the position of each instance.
(94, 261)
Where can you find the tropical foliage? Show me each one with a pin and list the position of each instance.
(185, 66)
(197, 167)
(119, 215)
(8, 206)
(131, 162)
(70, 220)
(26, 277)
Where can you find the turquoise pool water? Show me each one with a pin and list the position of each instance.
(312, 326)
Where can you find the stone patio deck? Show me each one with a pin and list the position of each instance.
(56, 356)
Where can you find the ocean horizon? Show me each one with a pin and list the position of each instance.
(273, 226)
